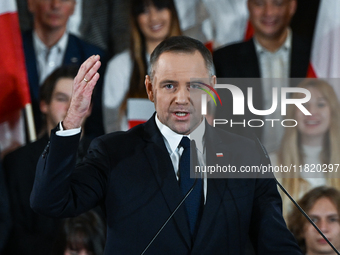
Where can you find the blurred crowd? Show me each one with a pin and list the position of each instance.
(263, 42)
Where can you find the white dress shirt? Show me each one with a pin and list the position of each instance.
(274, 69)
(48, 59)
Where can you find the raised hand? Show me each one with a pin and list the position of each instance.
(83, 85)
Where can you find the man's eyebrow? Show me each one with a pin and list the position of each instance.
(168, 81)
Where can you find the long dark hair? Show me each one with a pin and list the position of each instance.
(138, 45)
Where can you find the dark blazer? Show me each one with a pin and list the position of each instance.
(5, 216)
(77, 51)
(240, 61)
(131, 173)
(31, 233)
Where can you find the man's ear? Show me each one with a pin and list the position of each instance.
(213, 81)
(293, 6)
(43, 107)
(212, 84)
(148, 86)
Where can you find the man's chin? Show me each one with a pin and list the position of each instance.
(182, 130)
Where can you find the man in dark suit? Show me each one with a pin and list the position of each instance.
(32, 233)
(49, 46)
(139, 175)
(273, 52)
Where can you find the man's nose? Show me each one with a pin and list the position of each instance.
(269, 9)
(183, 95)
(55, 3)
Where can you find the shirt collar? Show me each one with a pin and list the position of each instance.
(285, 46)
(173, 139)
(60, 45)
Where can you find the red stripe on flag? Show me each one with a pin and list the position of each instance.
(249, 32)
(210, 46)
(133, 123)
(14, 88)
(310, 72)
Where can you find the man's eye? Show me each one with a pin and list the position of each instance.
(258, 2)
(279, 2)
(169, 86)
(195, 86)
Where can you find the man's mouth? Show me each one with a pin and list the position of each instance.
(181, 114)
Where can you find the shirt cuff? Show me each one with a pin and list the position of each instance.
(69, 132)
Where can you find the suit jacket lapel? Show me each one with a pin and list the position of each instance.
(73, 54)
(249, 63)
(300, 57)
(160, 161)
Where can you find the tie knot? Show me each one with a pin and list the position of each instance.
(185, 142)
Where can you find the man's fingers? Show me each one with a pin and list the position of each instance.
(89, 65)
(89, 75)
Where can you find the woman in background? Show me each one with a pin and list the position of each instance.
(315, 141)
(151, 21)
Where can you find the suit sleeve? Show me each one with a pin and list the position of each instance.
(62, 189)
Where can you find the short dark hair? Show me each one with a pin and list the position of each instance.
(296, 220)
(47, 88)
(182, 44)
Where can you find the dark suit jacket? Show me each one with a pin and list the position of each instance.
(240, 61)
(31, 233)
(76, 53)
(5, 216)
(132, 174)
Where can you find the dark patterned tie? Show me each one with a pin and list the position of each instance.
(194, 200)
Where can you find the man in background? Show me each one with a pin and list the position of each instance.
(274, 54)
(49, 46)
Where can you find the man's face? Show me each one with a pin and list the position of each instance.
(51, 14)
(326, 217)
(270, 18)
(171, 92)
(60, 102)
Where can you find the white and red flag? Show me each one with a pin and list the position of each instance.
(325, 56)
(14, 90)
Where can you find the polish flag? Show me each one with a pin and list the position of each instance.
(325, 56)
(139, 110)
(14, 90)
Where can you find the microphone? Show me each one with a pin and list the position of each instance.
(263, 152)
(171, 215)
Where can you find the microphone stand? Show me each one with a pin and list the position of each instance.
(171, 215)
